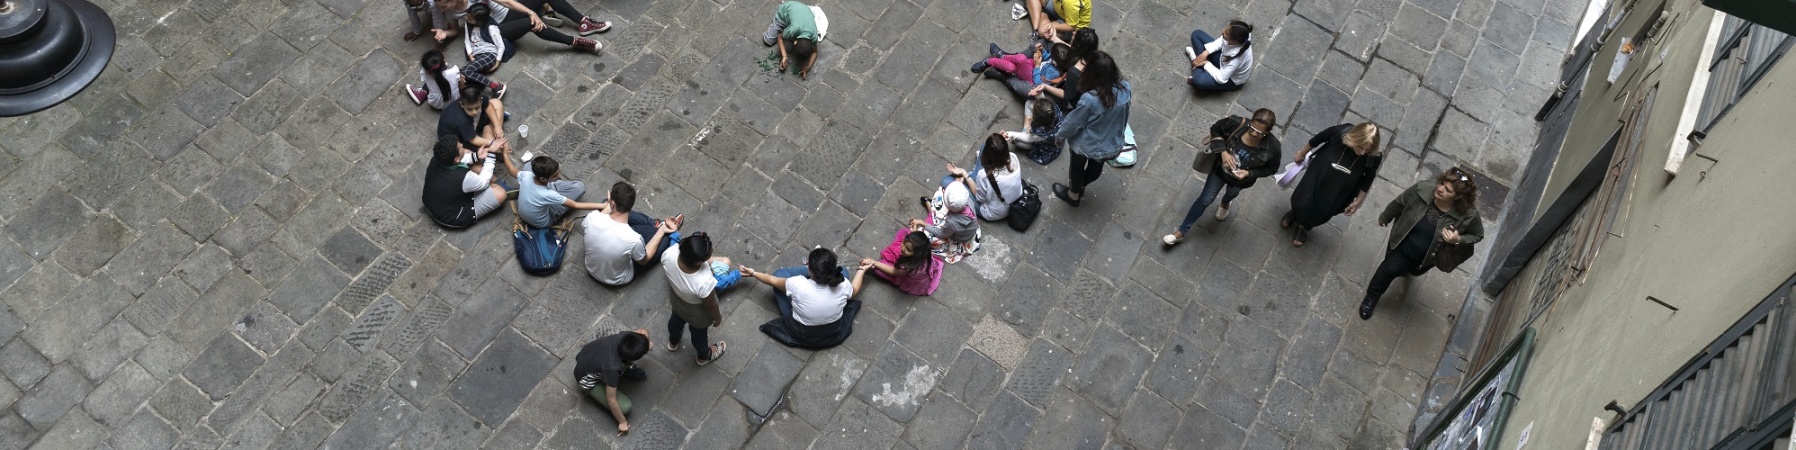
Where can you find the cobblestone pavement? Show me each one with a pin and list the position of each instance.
(219, 244)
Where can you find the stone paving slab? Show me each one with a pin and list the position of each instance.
(220, 244)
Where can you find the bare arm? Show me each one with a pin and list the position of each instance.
(859, 274)
(803, 74)
(623, 423)
(778, 283)
(505, 155)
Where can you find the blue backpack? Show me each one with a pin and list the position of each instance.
(540, 250)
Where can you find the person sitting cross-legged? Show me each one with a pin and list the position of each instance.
(543, 197)
(620, 242)
(816, 301)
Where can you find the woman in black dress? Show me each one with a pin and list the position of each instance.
(1335, 182)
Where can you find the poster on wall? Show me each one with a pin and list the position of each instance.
(1475, 419)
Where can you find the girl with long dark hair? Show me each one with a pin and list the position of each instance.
(908, 264)
(1225, 62)
(1094, 129)
(814, 301)
(441, 82)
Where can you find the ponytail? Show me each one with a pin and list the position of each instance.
(433, 65)
(1240, 31)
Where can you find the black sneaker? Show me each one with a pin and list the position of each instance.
(635, 374)
(1366, 306)
(995, 51)
(980, 66)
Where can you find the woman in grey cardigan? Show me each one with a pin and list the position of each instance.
(1094, 128)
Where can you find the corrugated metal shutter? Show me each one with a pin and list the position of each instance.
(1741, 384)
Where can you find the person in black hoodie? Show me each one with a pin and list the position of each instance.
(458, 183)
(1247, 151)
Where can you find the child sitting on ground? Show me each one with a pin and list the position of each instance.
(952, 225)
(1041, 119)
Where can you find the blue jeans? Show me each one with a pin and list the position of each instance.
(783, 301)
(1212, 185)
(1200, 78)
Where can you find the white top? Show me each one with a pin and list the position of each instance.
(437, 98)
(1010, 183)
(612, 249)
(689, 287)
(1237, 63)
(814, 304)
(478, 181)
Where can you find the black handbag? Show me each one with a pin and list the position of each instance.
(1449, 256)
(1024, 209)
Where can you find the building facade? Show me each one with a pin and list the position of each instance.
(1648, 246)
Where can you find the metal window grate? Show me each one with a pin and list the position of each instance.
(1736, 394)
(1746, 50)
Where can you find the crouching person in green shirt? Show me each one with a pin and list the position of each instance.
(605, 362)
(794, 23)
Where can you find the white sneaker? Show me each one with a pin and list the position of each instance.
(1190, 53)
(1171, 239)
(1017, 12)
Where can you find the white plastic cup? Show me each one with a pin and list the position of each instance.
(523, 131)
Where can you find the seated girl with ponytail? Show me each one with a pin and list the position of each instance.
(441, 82)
(1224, 63)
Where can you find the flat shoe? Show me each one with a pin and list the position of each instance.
(1171, 239)
(1299, 237)
(1222, 213)
(716, 351)
(1365, 308)
(1285, 222)
(1065, 194)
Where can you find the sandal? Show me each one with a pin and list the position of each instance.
(1285, 222)
(716, 351)
(1299, 236)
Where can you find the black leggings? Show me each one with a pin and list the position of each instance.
(518, 22)
(562, 8)
(1082, 171)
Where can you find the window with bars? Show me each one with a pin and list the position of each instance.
(1744, 53)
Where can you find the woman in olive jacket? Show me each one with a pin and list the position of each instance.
(1248, 151)
(1430, 215)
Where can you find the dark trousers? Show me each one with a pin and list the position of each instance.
(518, 22)
(645, 226)
(701, 334)
(562, 8)
(1201, 78)
(1082, 171)
(1396, 263)
(1212, 185)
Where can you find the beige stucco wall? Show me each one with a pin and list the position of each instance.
(1712, 241)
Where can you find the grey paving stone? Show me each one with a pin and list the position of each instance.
(1005, 425)
(813, 395)
(857, 425)
(312, 284)
(45, 402)
(376, 424)
(207, 100)
(515, 435)
(99, 128)
(1338, 407)
(308, 432)
(367, 79)
(498, 381)
(47, 223)
(15, 426)
(445, 425)
(257, 432)
(1031, 295)
(1285, 408)
(144, 431)
(1322, 107)
(223, 366)
(265, 327)
(1178, 370)
(204, 267)
(1059, 245)
(1040, 372)
(75, 431)
(763, 383)
(22, 364)
(1360, 34)
(1110, 370)
(1307, 358)
(58, 333)
(287, 403)
(479, 320)
(9, 324)
(112, 344)
(357, 386)
(654, 431)
(1405, 54)
(1142, 315)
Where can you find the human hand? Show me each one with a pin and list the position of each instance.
(1037, 90)
(746, 272)
(1239, 173)
(1382, 222)
(440, 34)
(916, 223)
(1450, 235)
(866, 264)
(622, 428)
(672, 224)
(804, 74)
(1351, 208)
(536, 23)
(783, 63)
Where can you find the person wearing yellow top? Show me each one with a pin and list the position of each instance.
(1062, 16)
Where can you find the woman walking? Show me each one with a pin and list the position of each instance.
(1344, 160)
(1430, 215)
(1094, 129)
(1247, 151)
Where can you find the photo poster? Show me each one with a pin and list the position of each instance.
(1475, 418)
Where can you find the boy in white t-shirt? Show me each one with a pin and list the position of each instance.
(698, 279)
